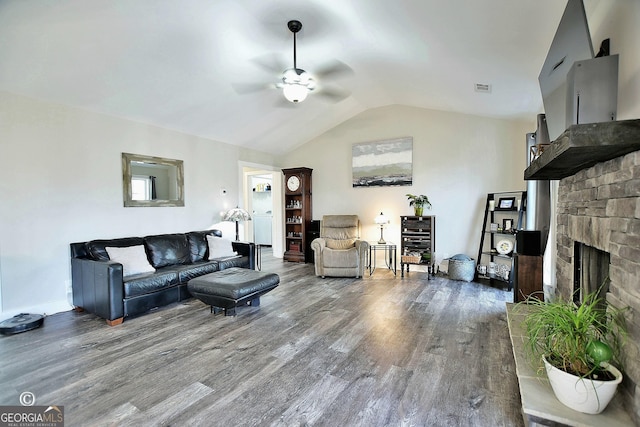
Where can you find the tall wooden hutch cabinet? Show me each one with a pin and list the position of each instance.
(297, 208)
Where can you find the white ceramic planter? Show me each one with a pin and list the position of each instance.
(581, 394)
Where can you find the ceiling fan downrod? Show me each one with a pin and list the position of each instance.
(297, 82)
(294, 26)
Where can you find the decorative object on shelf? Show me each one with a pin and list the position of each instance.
(507, 225)
(482, 269)
(503, 271)
(492, 268)
(493, 227)
(418, 203)
(237, 214)
(583, 341)
(294, 247)
(492, 205)
(504, 246)
(506, 203)
(382, 163)
(536, 151)
(262, 188)
(381, 220)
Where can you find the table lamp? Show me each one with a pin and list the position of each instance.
(382, 220)
(236, 214)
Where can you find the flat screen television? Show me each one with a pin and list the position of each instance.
(571, 43)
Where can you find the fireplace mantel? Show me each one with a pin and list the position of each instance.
(582, 146)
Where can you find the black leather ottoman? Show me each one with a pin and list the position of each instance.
(230, 288)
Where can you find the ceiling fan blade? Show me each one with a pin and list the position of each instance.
(271, 62)
(333, 94)
(247, 88)
(334, 69)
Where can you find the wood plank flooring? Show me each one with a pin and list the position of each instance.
(377, 351)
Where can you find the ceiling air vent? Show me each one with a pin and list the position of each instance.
(483, 88)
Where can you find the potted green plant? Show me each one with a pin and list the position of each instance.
(418, 203)
(579, 345)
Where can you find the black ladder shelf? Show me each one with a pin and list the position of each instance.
(503, 208)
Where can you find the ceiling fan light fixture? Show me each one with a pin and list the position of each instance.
(290, 76)
(297, 84)
(295, 92)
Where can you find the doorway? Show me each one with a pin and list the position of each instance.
(265, 206)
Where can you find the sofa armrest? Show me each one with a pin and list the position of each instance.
(97, 287)
(247, 249)
(318, 245)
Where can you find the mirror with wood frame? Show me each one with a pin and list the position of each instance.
(152, 181)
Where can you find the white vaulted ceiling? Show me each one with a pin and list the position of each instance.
(186, 65)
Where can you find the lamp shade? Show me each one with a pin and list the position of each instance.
(236, 214)
(381, 219)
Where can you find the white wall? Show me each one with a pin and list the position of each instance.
(61, 182)
(619, 21)
(457, 160)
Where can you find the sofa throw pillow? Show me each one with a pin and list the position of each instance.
(133, 259)
(220, 247)
(340, 244)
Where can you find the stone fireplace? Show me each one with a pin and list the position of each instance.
(599, 207)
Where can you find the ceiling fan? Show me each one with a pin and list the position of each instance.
(297, 83)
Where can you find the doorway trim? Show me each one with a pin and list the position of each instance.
(246, 170)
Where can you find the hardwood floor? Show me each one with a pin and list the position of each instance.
(378, 351)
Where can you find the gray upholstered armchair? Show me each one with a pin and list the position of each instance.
(338, 252)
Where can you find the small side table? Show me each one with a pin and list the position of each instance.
(389, 250)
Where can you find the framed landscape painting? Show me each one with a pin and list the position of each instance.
(382, 163)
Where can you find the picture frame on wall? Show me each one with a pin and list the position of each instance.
(382, 163)
(506, 204)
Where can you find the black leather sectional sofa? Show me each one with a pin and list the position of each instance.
(100, 288)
